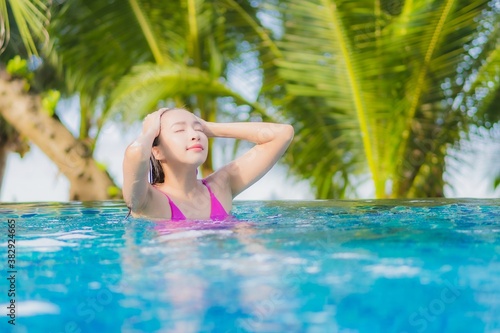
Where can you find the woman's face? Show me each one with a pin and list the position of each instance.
(182, 138)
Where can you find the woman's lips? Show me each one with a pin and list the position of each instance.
(196, 147)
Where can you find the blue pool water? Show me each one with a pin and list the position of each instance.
(320, 266)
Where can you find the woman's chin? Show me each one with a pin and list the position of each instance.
(195, 163)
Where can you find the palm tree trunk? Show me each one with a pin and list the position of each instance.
(25, 113)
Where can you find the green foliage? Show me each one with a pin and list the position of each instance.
(380, 90)
(114, 192)
(139, 92)
(101, 46)
(18, 67)
(196, 34)
(50, 98)
(102, 166)
(376, 90)
(30, 18)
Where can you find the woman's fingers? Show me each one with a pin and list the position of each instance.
(152, 122)
(162, 110)
(204, 124)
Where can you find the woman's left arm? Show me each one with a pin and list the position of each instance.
(271, 141)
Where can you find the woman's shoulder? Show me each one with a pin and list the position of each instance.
(217, 180)
(218, 183)
(155, 204)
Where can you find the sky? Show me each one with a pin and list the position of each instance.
(35, 178)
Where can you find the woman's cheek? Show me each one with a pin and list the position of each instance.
(175, 145)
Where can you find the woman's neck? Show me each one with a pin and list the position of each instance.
(181, 181)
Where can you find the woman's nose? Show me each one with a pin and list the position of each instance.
(195, 135)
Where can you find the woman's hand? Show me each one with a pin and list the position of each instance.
(205, 126)
(136, 188)
(271, 142)
(152, 122)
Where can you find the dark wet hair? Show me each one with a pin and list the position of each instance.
(156, 174)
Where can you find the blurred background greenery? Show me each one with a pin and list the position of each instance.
(383, 92)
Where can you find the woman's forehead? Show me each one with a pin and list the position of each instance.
(173, 116)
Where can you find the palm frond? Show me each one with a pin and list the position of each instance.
(249, 17)
(92, 46)
(149, 34)
(436, 53)
(139, 93)
(386, 74)
(31, 18)
(322, 59)
(4, 26)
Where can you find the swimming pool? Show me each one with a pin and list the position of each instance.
(295, 266)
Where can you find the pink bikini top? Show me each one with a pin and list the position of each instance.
(217, 212)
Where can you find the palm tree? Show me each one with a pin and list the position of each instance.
(386, 87)
(24, 106)
(10, 139)
(132, 57)
(123, 59)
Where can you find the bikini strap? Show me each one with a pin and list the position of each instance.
(217, 211)
(175, 211)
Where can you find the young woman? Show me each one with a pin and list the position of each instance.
(173, 144)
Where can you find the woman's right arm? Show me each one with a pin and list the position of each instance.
(136, 188)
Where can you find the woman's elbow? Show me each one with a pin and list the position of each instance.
(134, 202)
(134, 152)
(288, 132)
(127, 197)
